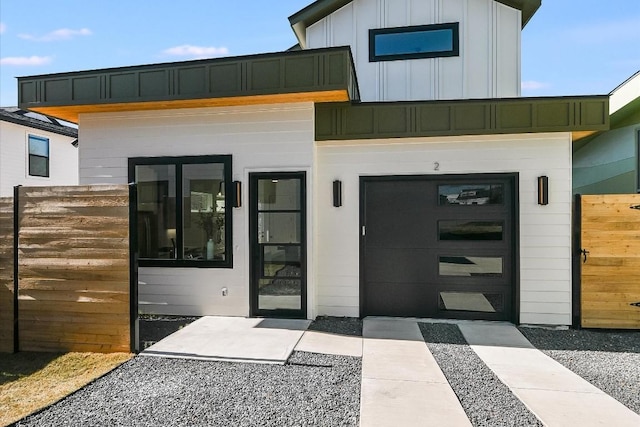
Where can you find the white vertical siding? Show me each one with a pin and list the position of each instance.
(488, 65)
(14, 158)
(545, 231)
(507, 59)
(260, 138)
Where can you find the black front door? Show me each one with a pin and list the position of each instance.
(277, 231)
(438, 246)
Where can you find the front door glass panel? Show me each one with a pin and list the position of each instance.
(278, 224)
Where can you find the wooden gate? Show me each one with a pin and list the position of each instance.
(609, 262)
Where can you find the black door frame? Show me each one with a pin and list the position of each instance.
(515, 234)
(254, 247)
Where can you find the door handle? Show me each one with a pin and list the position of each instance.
(584, 253)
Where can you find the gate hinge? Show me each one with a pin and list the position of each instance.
(364, 230)
(635, 304)
(635, 207)
(584, 253)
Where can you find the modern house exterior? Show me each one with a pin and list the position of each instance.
(386, 166)
(36, 150)
(609, 162)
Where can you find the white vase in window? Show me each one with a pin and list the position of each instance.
(210, 248)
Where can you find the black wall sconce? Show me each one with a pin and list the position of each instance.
(237, 194)
(543, 190)
(337, 193)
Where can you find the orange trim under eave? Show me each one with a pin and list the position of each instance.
(71, 112)
(578, 135)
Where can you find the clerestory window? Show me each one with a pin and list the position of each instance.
(423, 41)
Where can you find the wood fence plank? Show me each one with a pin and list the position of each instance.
(74, 268)
(611, 276)
(6, 275)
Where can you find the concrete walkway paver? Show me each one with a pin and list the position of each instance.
(402, 385)
(556, 395)
(233, 339)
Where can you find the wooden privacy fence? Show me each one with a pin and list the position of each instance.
(609, 260)
(74, 270)
(6, 275)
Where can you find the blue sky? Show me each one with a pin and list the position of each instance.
(570, 47)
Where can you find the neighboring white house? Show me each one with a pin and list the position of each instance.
(36, 150)
(609, 162)
(386, 167)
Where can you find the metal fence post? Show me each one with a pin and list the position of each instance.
(133, 268)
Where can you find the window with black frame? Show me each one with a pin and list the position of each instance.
(38, 156)
(182, 215)
(414, 42)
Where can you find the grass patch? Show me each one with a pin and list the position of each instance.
(31, 381)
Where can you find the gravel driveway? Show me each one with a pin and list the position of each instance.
(322, 390)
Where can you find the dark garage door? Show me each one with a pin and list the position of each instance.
(438, 246)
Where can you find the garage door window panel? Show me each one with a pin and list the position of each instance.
(478, 194)
(469, 230)
(482, 302)
(471, 266)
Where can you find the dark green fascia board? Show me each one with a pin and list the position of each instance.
(629, 115)
(349, 121)
(313, 70)
(320, 9)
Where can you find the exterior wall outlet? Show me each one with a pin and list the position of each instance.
(225, 292)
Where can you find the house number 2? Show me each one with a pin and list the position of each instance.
(436, 166)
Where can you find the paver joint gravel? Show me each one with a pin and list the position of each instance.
(610, 360)
(485, 399)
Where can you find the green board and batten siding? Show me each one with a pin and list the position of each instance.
(344, 121)
(266, 74)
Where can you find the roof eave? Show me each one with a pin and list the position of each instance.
(527, 7)
(311, 14)
(64, 131)
(320, 9)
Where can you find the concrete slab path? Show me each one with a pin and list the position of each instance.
(553, 393)
(233, 339)
(402, 385)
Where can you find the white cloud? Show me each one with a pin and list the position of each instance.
(25, 60)
(3, 28)
(196, 52)
(533, 85)
(61, 34)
